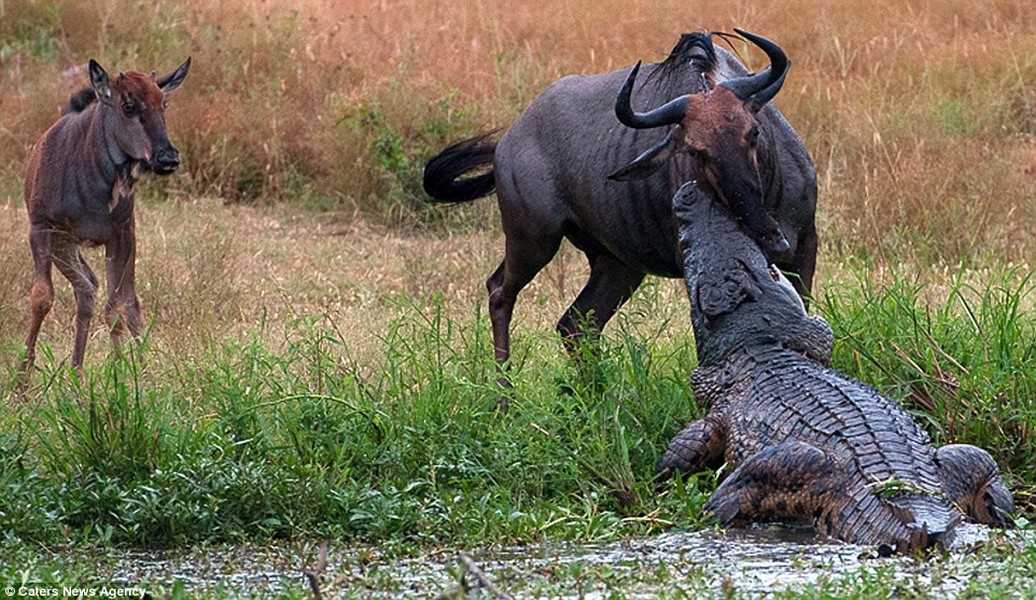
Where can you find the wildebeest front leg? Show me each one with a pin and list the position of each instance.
(803, 263)
(41, 298)
(69, 260)
(123, 308)
(610, 285)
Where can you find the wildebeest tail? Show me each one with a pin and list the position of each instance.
(463, 171)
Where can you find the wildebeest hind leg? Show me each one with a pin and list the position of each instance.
(69, 261)
(41, 298)
(524, 258)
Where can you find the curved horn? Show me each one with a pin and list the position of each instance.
(669, 113)
(763, 86)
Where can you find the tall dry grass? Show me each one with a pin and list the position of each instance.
(919, 114)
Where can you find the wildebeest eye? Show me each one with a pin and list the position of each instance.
(753, 135)
(130, 109)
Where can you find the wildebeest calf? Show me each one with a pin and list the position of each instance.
(79, 191)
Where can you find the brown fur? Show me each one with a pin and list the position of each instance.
(79, 191)
(722, 133)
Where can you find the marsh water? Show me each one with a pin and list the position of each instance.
(743, 563)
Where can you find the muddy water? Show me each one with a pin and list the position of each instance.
(749, 563)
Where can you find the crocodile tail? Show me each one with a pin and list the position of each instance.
(930, 520)
(904, 522)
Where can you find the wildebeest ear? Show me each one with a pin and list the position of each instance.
(99, 81)
(650, 161)
(168, 83)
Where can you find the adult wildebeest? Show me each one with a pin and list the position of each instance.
(79, 191)
(551, 173)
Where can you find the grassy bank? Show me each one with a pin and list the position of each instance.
(252, 443)
(299, 431)
(307, 436)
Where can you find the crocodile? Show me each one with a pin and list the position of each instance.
(802, 441)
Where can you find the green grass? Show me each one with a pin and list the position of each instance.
(255, 444)
(960, 356)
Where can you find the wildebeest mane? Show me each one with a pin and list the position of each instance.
(693, 49)
(80, 101)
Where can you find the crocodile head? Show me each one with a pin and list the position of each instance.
(738, 299)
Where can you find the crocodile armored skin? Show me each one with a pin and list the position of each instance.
(804, 441)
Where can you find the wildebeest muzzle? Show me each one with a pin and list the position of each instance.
(166, 161)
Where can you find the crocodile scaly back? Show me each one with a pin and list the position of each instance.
(805, 441)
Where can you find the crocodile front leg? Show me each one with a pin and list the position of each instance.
(971, 479)
(697, 447)
(790, 480)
